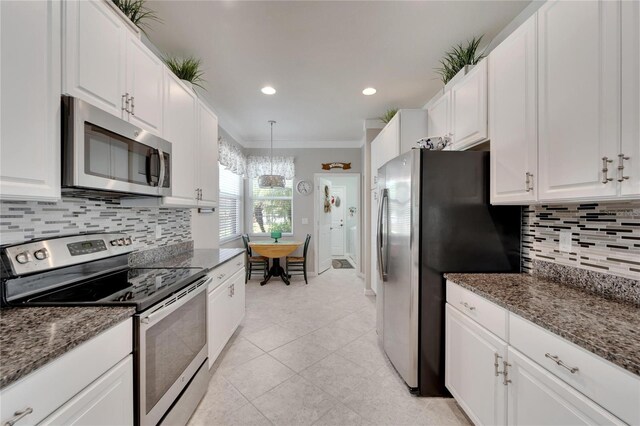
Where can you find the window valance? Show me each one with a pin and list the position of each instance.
(260, 165)
(231, 157)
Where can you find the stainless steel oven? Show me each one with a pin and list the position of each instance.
(102, 153)
(171, 347)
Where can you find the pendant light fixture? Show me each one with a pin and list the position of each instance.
(271, 180)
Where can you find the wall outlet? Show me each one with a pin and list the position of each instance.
(565, 241)
(158, 231)
(305, 220)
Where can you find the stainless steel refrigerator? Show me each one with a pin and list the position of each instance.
(434, 217)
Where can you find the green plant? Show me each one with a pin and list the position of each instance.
(137, 13)
(387, 116)
(186, 69)
(459, 56)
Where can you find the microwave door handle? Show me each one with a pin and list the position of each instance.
(151, 177)
(382, 240)
(162, 168)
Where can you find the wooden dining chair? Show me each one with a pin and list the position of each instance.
(254, 263)
(297, 265)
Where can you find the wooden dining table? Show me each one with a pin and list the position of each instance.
(274, 251)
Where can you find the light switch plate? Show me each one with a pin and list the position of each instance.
(158, 231)
(305, 220)
(565, 241)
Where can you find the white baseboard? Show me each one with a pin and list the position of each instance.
(369, 292)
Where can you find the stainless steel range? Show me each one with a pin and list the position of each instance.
(170, 346)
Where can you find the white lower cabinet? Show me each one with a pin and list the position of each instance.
(532, 377)
(225, 308)
(473, 361)
(107, 401)
(537, 398)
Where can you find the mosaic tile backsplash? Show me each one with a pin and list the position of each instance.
(26, 220)
(605, 237)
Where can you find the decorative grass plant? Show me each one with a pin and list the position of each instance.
(186, 69)
(387, 116)
(458, 57)
(137, 13)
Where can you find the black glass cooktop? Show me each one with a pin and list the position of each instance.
(138, 287)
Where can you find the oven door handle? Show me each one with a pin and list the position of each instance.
(152, 318)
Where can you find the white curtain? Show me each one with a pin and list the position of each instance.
(260, 165)
(231, 157)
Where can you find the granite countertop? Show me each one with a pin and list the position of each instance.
(605, 327)
(31, 337)
(199, 258)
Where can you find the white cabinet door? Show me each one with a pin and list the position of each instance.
(237, 300)
(390, 142)
(630, 99)
(375, 154)
(207, 156)
(107, 401)
(438, 114)
(471, 353)
(144, 84)
(579, 98)
(537, 398)
(94, 54)
(30, 102)
(180, 128)
(219, 319)
(513, 117)
(469, 108)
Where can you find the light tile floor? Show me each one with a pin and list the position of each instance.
(308, 355)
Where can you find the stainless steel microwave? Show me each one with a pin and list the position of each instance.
(104, 155)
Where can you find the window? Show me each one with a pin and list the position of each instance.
(271, 208)
(230, 205)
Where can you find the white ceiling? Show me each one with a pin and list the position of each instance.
(319, 55)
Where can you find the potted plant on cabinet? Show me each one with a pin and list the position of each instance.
(459, 60)
(186, 69)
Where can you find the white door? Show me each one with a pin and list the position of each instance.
(579, 99)
(30, 101)
(219, 311)
(180, 109)
(513, 118)
(630, 99)
(438, 116)
(207, 157)
(323, 220)
(144, 84)
(471, 373)
(94, 55)
(469, 108)
(536, 397)
(338, 220)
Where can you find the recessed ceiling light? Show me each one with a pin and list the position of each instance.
(268, 90)
(369, 91)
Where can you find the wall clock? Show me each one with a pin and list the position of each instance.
(304, 187)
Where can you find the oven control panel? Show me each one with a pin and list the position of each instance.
(39, 256)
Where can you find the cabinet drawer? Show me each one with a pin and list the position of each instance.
(49, 387)
(485, 313)
(613, 388)
(225, 271)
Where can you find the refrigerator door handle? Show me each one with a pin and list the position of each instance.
(382, 234)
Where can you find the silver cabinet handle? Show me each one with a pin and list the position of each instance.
(621, 176)
(529, 181)
(526, 182)
(605, 170)
(558, 361)
(133, 106)
(468, 306)
(125, 102)
(496, 364)
(18, 415)
(505, 367)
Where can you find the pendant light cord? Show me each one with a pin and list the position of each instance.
(271, 151)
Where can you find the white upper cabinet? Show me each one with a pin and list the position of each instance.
(144, 86)
(207, 156)
(105, 64)
(94, 55)
(30, 102)
(579, 99)
(629, 156)
(513, 117)
(438, 116)
(469, 108)
(180, 128)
